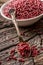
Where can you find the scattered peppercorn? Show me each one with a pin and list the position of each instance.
(12, 52)
(14, 58)
(21, 59)
(8, 59)
(41, 48)
(34, 51)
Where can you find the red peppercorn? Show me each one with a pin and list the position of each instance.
(14, 58)
(12, 54)
(8, 59)
(12, 51)
(21, 59)
(41, 48)
(34, 51)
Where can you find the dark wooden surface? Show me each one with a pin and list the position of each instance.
(2, 1)
(9, 39)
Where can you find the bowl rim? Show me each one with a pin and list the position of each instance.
(1, 11)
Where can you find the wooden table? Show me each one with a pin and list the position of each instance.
(9, 39)
(2, 1)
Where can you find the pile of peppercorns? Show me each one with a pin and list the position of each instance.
(24, 8)
(25, 51)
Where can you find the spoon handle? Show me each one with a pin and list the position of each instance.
(15, 23)
(16, 26)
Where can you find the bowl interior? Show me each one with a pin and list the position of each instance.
(2, 7)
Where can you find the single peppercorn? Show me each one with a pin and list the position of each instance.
(21, 59)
